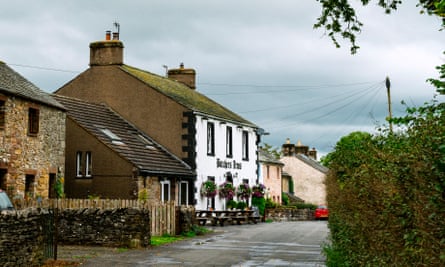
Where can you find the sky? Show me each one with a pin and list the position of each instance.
(260, 58)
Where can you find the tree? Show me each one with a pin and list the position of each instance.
(338, 17)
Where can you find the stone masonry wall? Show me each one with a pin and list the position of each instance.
(21, 238)
(38, 155)
(290, 214)
(22, 233)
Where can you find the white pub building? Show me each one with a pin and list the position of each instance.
(226, 151)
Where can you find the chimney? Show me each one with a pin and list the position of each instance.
(183, 75)
(301, 149)
(288, 148)
(108, 52)
(313, 153)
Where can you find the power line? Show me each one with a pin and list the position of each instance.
(42, 68)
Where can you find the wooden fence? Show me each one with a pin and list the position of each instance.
(162, 215)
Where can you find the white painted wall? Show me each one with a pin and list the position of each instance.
(207, 165)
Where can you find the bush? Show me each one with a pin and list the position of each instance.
(259, 202)
(241, 205)
(285, 199)
(270, 204)
(231, 204)
(385, 194)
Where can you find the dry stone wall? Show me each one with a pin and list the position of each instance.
(290, 214)
(23, 232)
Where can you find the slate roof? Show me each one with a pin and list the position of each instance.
(13, 83)
(187, 97)
(313, 163)
(129, 142)
(266, 157)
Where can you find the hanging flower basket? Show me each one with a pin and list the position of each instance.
(258, 190)
(208, 189)
(226, 190)
(243, 191)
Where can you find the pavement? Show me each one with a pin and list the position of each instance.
(264, 244)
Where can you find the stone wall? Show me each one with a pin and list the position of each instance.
(21, 238)
(125, 227)
(22, 233)
(290, 214)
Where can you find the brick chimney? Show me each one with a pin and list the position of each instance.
(183, 75)
(301, 149)
(107, 52)
(288, 149)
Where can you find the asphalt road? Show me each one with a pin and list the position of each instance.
(263, 244)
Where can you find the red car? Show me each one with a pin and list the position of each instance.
(321, 212)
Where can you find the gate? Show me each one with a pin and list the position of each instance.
(50, 234)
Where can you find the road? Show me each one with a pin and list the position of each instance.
(263, 244)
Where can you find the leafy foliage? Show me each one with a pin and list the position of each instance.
(226, 190)
(208, 189)
(339, 18)
(386, 193)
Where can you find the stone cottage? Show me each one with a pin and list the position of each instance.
(307, 173)
(218, 144)
(108, 157)
(32, 137)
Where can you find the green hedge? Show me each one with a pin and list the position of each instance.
(386, 194)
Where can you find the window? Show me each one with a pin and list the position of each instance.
(29, 185)
(183, 193)
(245, 143)
(165, 191)
(210, 139)
(88, 164)
(267, 172)
(52, 186)
(229, 141)
(33, 121)
(79, 164)
(84, 168)
(2, 114)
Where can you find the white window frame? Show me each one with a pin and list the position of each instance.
(163, 183)
(210, 138)
(245, 144)
(229, 142)
(79, 164)
(181, 184)
(88, 164)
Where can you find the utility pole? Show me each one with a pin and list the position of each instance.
(388, 91)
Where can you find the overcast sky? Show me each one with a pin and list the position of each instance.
(262, 59)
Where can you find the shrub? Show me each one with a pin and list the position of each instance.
(259, 202)
(231, 204)
(241, 205)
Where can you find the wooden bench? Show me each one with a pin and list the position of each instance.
(220, 218)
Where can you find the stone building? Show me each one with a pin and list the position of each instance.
(32, 137)
(218, 144)
(115, 159)
(307, 173)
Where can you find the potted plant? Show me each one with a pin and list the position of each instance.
(208, 189)
(243, 191)
(226, 190)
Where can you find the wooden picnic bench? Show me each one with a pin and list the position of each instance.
(230, 216)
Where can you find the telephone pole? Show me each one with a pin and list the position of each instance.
(388, 91)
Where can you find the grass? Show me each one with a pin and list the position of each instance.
(165, 239)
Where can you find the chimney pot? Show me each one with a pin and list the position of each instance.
(115, 36)
(108, 35)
